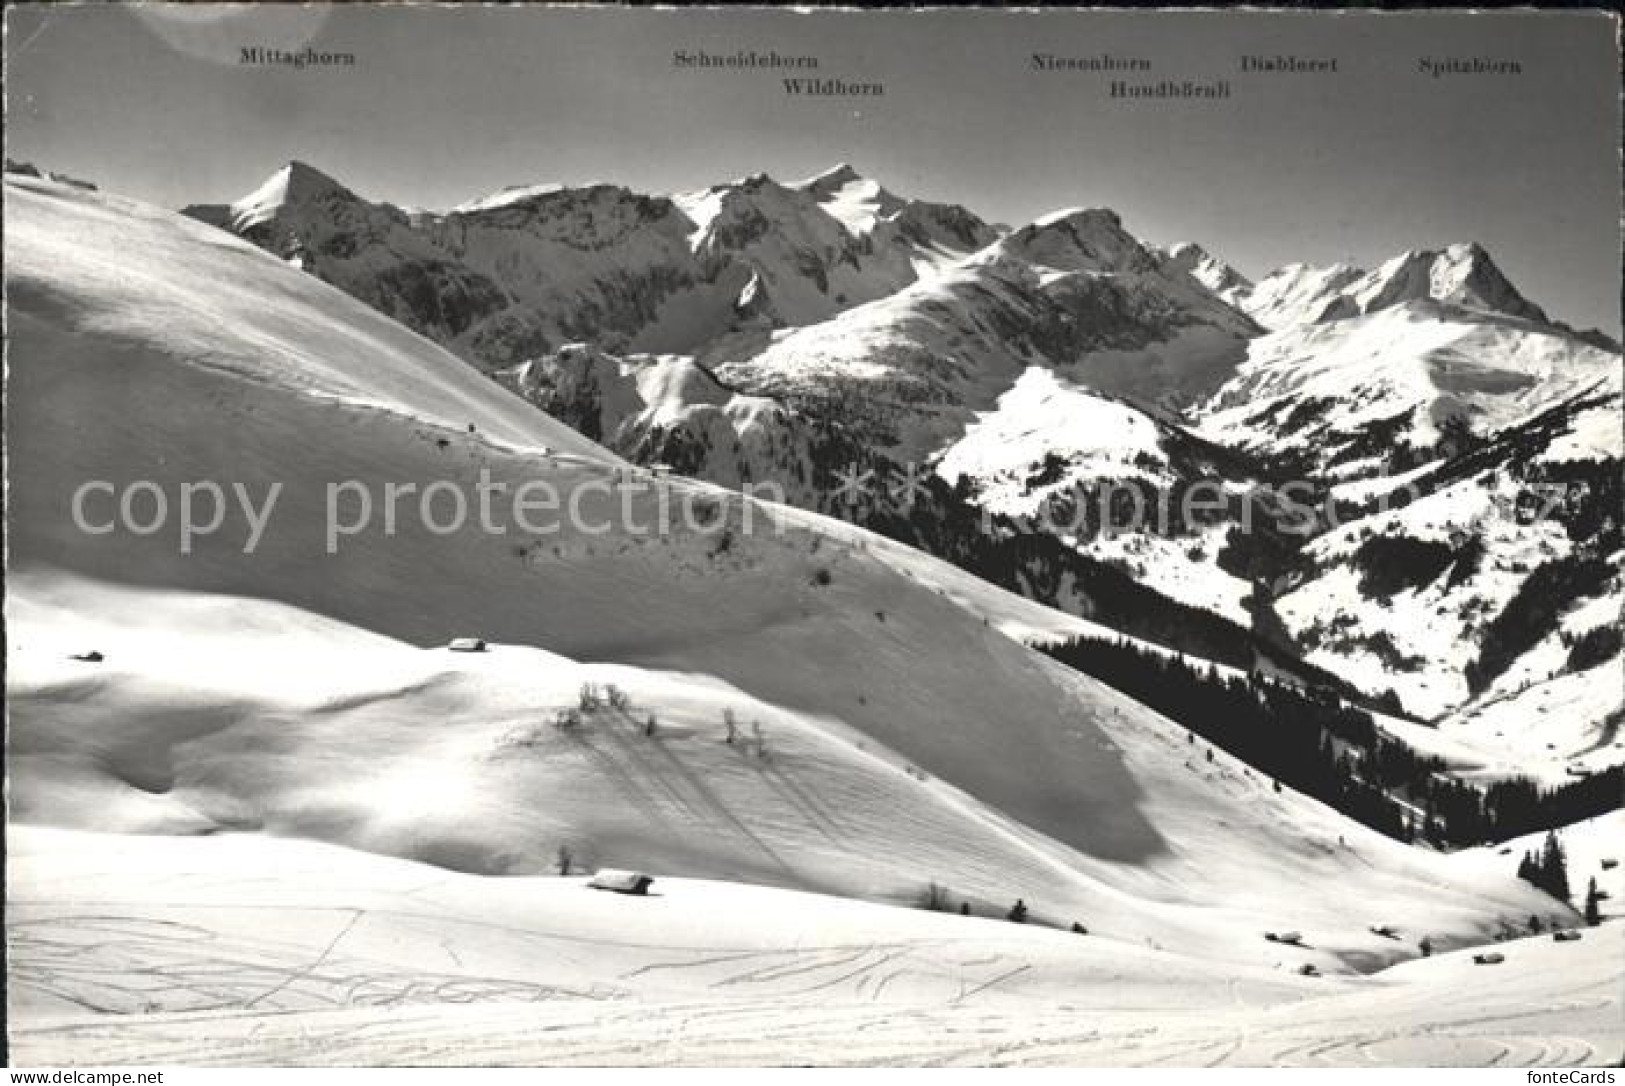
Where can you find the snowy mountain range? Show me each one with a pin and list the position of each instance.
(794, 730)
(759, 332)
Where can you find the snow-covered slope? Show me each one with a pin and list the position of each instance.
(143, 950)
(910, 367)
(1107, 478)
(224, 314)
(1490, 603)
(1297, 294)
(1404, 599)
(1349, 394)
(28, 169)
(1594, 850)
(670, 411)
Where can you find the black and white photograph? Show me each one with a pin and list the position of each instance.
(590, 536)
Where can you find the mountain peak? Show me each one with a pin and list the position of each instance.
(1207, 269)
(295, 184)
(301, 181)
(304, 171)
(761, 179)
(507, 197)
(1080, 239)
(1472, 260)
(858, 202)
(837, 176)
(1088, 219)
(1463, 274)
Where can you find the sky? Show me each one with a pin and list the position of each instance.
(445, 104)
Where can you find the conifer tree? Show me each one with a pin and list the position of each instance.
(1554, 868)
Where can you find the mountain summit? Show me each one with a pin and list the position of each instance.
(1462, 275)
(858, 203)
(296, 190)
(1211, 272)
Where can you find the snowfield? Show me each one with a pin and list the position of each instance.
(279, 821)
(1345, 376)
(1041, 414)
(1048, 438)
(252, 951)
(1595, 849)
